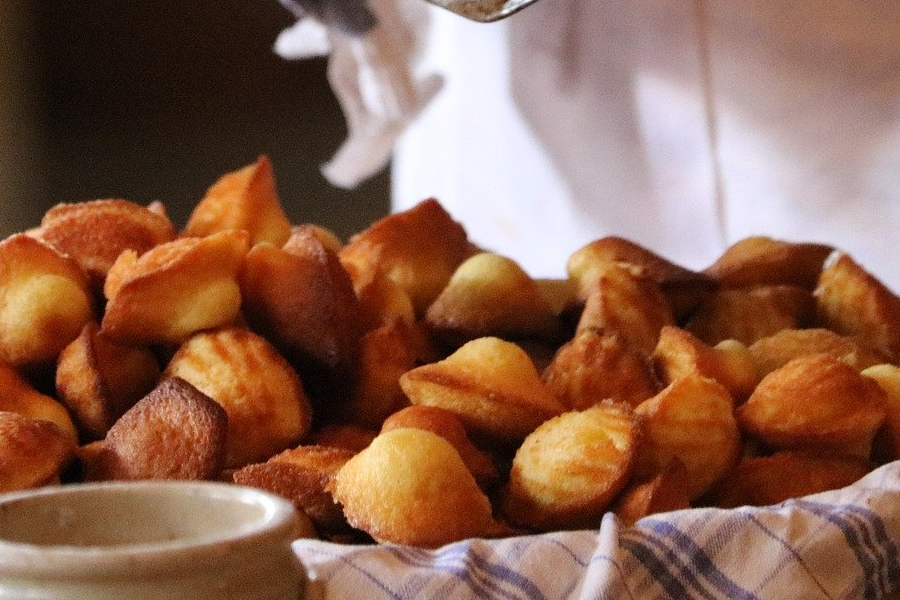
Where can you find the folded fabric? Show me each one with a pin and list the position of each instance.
(840, 545)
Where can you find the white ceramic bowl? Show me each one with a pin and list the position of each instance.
(148, 540)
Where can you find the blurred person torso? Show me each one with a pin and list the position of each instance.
(684, 126)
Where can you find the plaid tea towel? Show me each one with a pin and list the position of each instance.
(841, 544)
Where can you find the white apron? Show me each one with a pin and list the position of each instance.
(577, 119)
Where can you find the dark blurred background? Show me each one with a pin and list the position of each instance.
(154, 101)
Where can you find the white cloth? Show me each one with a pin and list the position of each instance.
(840, 545)
(576, 119)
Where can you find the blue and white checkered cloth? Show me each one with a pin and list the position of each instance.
(842, 544)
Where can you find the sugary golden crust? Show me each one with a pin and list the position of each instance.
(419, 249)
(853, 302)
(765, 480)
(886, 445)
(627, 302)
(303, 301)
(748, 315)
(351, 437)
(777, 350)
(95, 233)
(490, 385)
(445, 424)
(44, 301)
(730, 363)
(267, 408)
(17, 396)
(666, 492)
(175, 432)
(175, 289)
(385, 355)
(98, 380)
(381, 300)
(32, 452)
(489, 295)
(245, 199)
(690, 420)
(764, 261)
(570, 468)
(597, 366)
(302, 475)
(411, 487)
(816, 403)
(682, 287)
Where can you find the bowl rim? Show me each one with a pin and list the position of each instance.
(278, 525)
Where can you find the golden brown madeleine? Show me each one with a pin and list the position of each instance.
(490, 385)
(682, 287)
(381, 300)
(98, 380)
(17, 395)
(747, 315)
(411, 487)
(570, 468)
(244, 199)
(765, 480)
(174, 289)
(817, 403)
(32, 452)
(627, 302)
(329, 239)
(174, 432)
(418, 248)
(44, 301)
(346, 435)
(302, 299)
(445, 424)
(262, 394)
(887, 441)
(385, 354)
(761, 260)
(490, 295)
(853, 302)
(779, 349)
(666, 492)
(302, 475)
(95, 233)
(690, 420)
(730, 363)
(596, 366)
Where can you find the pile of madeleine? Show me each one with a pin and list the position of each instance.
(410, 387)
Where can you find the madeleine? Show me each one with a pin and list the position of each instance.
(261, 393)
(45, 300)
(419, 249)
(690, 420)
(730, 363)
(302, 299)
(17, 396)
(666, 492)
(245, 199)
(174, 289)
(410, 486)
(490, 385)
(762, 260)
(625, 301)
(570, 468)
(174, 432)
(98, 379)
(95, 233)
(853, 302)
(682, 287)
(32, 452)
(748, 315)
(815, 403)
(490, 295)
(777, 350)
(597, 366)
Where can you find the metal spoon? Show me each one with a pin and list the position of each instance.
(484, 11)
